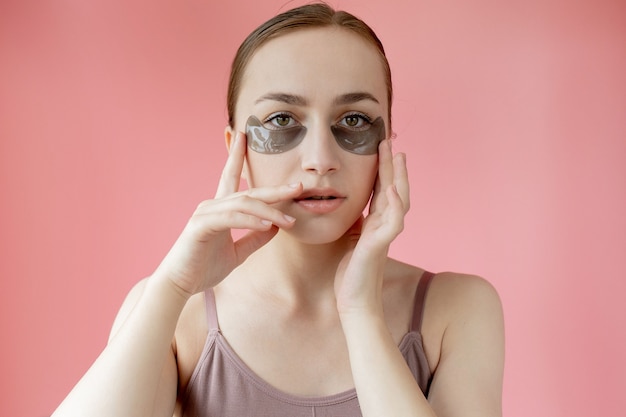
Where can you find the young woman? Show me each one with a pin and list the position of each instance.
(305, 315)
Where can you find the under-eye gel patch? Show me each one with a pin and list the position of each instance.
(362, 142)
(270, 141)
(263, 140)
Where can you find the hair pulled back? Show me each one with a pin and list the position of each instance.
(317, 15)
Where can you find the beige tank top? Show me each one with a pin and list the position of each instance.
(223, 386)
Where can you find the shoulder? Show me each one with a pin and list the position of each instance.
(457, 306)
(459, 296)
(456, 292)
(462, 311)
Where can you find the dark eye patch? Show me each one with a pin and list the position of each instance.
(362, 142)
(263, 140)
(271, 141)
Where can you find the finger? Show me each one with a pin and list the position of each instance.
(231, 175)
(395, 220)
(204, 225)
(388, 225)
(272, 195)
(242, 212)
(385, 164)
(385, 176)
(258, 201)
(264, 212)
(401, 180)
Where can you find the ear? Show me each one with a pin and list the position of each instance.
(229, 136)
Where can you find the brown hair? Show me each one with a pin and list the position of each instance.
(309, 16)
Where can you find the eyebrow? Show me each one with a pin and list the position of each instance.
(297, 100)
(355, 98)
(283, 98)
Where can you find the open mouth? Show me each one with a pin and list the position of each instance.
(321, 197)
(320, 201)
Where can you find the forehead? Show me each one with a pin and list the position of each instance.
(315, 63)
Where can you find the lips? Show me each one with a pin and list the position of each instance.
(320, 201)
(319, 194)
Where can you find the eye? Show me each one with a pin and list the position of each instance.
(280, 121)
(356, 121)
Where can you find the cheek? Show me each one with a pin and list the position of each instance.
(370, 166)
(265, 170)
(365, 172)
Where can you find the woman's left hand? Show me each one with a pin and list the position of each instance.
(359, 278)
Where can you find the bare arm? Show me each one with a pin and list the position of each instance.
(383, 381)
(468, 378)
(136, 374)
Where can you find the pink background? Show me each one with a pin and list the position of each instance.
(513, 115)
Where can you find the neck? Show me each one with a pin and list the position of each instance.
(297, 273)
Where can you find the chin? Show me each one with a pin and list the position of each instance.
(318, 232)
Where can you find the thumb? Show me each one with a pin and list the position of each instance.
(252, 241)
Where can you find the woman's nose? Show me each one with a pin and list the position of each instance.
(320, 152)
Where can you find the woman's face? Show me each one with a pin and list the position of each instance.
(314, 80)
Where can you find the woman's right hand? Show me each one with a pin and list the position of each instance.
(205, 253)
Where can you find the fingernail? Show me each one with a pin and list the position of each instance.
(294, 185)
(266, 222)
(289, 218)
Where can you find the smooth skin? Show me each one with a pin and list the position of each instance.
(310, 302)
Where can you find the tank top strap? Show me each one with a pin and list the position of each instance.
(211, 309)
(420, 297)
